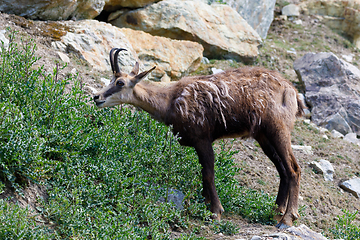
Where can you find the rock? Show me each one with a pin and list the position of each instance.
(339, 123)
(112, 5)
(3, 40)
(352, 138)
(176, 197)
(216, 70)
(63, 57)
(336, 134)
(105, 81)
(332, 90)
(324, 167)
(305, 233)
(256, 238)
(92, 40)
(343, 16)
(349, 58)
(172, 57)
(291, 10)
(258, 13)
(352, 186)
(305, 149)
(205, 60)
(53, 10)
(298, 22)
(220, 29)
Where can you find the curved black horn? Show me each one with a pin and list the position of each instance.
(116, 65)
(112, 59)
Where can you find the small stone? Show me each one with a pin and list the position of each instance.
(324, 167)
(105, 81)
(256, 238)
(176, 197)
(73, 71)
(63, 57)
(323, 130)
(3, 39)
(352, 138)
(216, 70)
(291, 10)
(305, 149)
(298, 22)
(205, 60)
(352, 186)
(348, 58)
(307, 121)
(336, 134)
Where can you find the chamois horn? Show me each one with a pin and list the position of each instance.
(114, 59)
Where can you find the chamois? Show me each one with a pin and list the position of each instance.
(244, 102)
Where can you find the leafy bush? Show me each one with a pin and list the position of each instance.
(345, 228)
(16, 224)
(105, 170)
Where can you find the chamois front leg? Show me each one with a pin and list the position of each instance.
(206, 158)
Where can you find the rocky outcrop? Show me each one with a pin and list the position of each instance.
(173, 58)
(343, 16)
(53, 10)
(219, 28)
(92, 40)
(112, 5)
(258, 13)
(332, 91)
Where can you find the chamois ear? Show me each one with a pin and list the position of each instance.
(141, 76)
(135, 70)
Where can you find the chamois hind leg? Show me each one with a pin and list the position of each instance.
(206, 158)
(279, 143)
(283, 193)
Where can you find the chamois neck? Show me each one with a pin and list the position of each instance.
(153, 97)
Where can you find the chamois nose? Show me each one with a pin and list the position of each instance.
(96, 97)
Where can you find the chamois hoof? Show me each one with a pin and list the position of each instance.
(216, 216)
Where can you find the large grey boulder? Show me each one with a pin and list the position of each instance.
(332, 90)
(258, 13)
(219, 28)
(92, 40)
(53, 10)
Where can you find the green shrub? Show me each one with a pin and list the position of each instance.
(15, 223)
(105, 170)
(346, 228)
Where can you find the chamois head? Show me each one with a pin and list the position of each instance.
(120, 89)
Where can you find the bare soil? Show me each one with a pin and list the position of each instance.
(320, 201)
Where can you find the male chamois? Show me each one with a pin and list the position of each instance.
(245, 102)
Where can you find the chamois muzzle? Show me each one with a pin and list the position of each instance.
(97, 101)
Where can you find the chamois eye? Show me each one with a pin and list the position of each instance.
(120, 83)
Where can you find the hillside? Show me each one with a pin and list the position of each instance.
(321, 202)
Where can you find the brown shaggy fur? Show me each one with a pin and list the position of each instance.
(245, 102)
